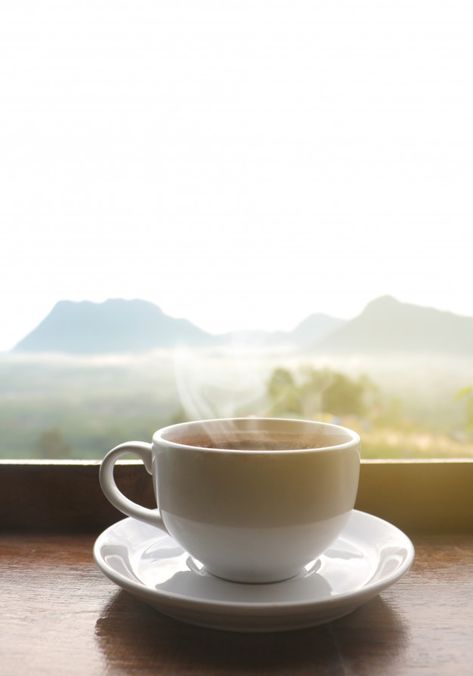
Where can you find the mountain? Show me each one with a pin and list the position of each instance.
(119, 325)
(387, 325)
(306, 334)
(116, 325)
(315, 328)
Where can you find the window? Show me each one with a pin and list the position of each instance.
(294, 183)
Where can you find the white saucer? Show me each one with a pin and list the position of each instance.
(369, 555)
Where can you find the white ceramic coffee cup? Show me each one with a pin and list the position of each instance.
(253, 515)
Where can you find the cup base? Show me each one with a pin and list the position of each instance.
(252, 577)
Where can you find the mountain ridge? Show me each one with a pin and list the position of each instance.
(117, 325)
(109, 328)
(389, 325)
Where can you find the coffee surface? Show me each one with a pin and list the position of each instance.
(257, 443)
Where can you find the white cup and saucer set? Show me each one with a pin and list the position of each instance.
(255, 528)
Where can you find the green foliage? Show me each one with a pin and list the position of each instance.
(317, 392)
(52, 444)
(390, 412)
(283, 393)
(77, 409)
(344, 396)
(466, 394)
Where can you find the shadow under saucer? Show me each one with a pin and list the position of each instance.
(134, 636)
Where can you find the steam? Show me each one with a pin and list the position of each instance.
(222, 383)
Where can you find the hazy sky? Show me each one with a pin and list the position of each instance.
(241, 163)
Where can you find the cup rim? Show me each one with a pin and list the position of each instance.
(354, 438)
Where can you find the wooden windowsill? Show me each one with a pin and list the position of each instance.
(61, 616)
(433, 496)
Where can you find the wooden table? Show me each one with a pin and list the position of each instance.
(59, 615)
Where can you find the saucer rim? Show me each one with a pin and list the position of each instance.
(370, 589)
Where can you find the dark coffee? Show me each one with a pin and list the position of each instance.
(256, 443)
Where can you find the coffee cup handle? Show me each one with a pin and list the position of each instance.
(115, 496)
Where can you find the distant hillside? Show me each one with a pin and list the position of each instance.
(136, 325)
(310, 331)
(117, 325)
(387, 325)
(315, 328)
(113, 326)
